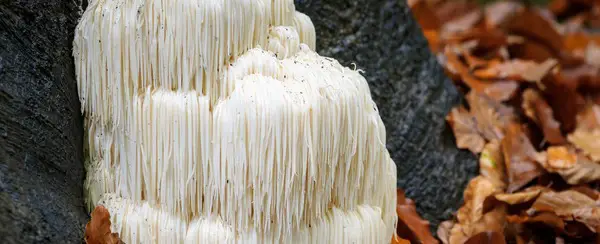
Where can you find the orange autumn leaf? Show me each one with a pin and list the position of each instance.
(537, 109)
(489, 237)
(491, 164)
(560, 158)
(397, 240)
(491, 116)
(530, 22)
(424, 15)
(549, 219)
(580, 40)
(520, 197)
(583, 171)
(498, 12)
(587, 140)
(410, 224)
(493, 220)
(465, 130)
(516, 70)
(97, 230)
(569, 205)
(521, 158)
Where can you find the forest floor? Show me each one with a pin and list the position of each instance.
(530, 76)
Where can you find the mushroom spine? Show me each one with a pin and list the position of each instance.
(217, 122)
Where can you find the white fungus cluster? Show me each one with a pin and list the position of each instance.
(214, 121)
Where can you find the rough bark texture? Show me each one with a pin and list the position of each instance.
(41, 169)
(411, 90)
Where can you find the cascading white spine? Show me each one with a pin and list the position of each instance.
(191, 120)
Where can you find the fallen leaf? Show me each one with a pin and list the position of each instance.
(501, 91)
(588, 141)
(491, 164)
(463, 23)
(491, 221)
(592, 54)
(546, 218)
(588, 191)
(433, 39)
(516, 70)
(489, 237)
(397, 240)
(589, 118)
(564, 99)
(520, 158)
(443, 231)
(478, 189)
(410, 224)
(540, 112)
(491, 116)
(559, 158)
(465, 130)
(580, 40)
(520, 197)
(448, 10)
(497, 13)
(569, 205)
(424, 15)
(531, 50)
(531, 23)
(557, 7)
(97, 230)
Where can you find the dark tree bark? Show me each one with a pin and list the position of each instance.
(41, 167)
(410, 89)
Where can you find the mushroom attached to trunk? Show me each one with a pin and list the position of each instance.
(215, 121)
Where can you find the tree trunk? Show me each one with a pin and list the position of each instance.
(41, 167)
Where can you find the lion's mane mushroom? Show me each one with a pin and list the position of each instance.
(216, 122)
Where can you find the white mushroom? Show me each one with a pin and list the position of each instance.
(197, 134)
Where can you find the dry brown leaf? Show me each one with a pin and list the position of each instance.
(520, 197)
(516, 70)
(97, 231)
(443, 231)
(491, 221)
(478, 189)
(588, 141)
(531, 23)
(589, 118)
(560, 158)
(491, 117)
(424, 15)
(592, 54)
(465, 130)
(491, 164)
(488, 237)
(397, 240)
(521, 158)
(501, 91)
(564, 100)
(448, 10)
(531, 50)
(433, 38)
(410, 224)
(569, 205)
(463, 23)
(547, 218)
(497, 13)
(540, 112)
(580, 40)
